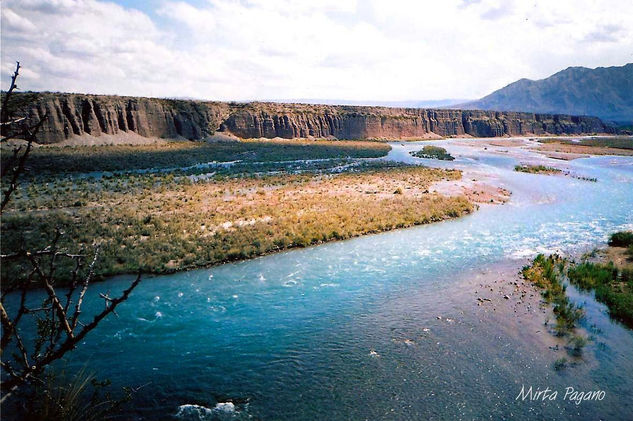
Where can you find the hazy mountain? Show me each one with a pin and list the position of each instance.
(605, 92)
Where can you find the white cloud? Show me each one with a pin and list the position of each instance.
(266, 49)
(13, 22)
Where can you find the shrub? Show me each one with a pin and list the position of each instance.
(433, 152)
(60, 396)
(560, 364)
(546, 273)
(576, 345)
(621, 239)
(613, 287)
(536, 169)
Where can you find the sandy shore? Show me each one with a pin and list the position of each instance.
(553, 149)
(500, 297)
(567, 152)
(475, 190)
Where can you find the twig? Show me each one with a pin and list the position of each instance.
(4, 115)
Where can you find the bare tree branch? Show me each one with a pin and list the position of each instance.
(30, 135)
(59, 325)
(4, 114)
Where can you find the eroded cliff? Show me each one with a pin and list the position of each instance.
(75, 114)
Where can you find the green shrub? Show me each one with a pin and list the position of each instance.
(621, 239)
(536, 169)
(576, 344)
(612, 286)
(546, 273)
(560, 364)
(433, 152)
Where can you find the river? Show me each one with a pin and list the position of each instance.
(384, 326)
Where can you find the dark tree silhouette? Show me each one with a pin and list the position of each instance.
(59, 325)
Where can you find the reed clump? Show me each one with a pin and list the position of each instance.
(536, 169)
(613, 286)
(546, 272)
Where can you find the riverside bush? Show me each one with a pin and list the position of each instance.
(433, 152)
(612, 286)
(536, 169)
(621, 239)
(546, 273)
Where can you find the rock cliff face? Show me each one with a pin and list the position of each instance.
(70, 114)
(73, 114)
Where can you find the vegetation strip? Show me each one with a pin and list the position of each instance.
(618, 145)
(613, 285)
(537, 169)
(433, 152)
(542, 169)
(162, 223)
(618, 142)
(546, 273)
(83, 159)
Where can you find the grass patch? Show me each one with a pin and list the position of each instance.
(560, 364)
(536, 169)
(547, 273)
(612, 286)
(618, 142)
(433, 152)
(576, 344)
(542, 169)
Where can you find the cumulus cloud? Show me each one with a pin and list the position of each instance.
(605, 33)
(268, 49)
(505, 8)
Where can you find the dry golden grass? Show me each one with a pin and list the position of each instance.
(161, 223)
(595, 146)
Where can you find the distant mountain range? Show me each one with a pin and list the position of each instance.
(605, 92)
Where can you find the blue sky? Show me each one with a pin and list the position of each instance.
(384, 50)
